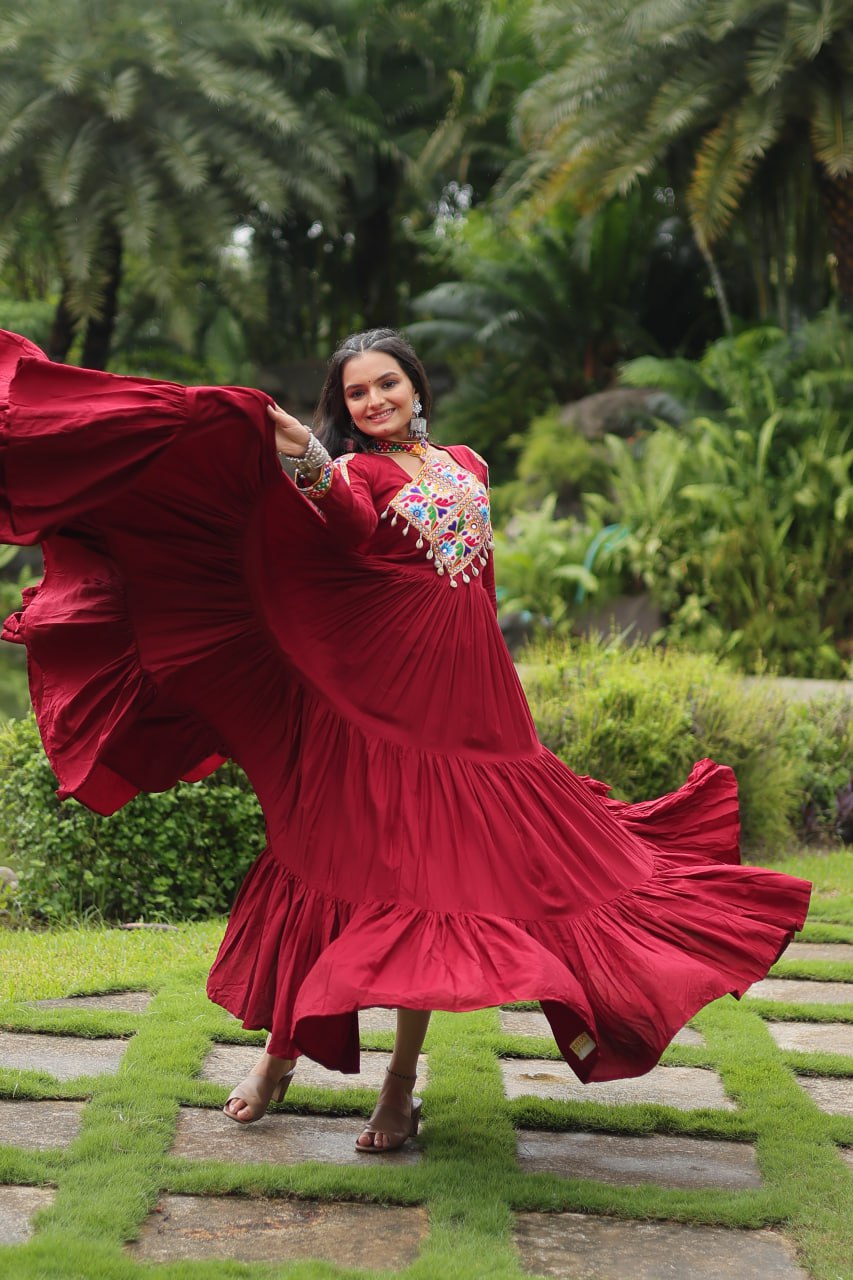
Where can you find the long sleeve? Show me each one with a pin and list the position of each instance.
(347, 503)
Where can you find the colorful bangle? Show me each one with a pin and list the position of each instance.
(321, 486)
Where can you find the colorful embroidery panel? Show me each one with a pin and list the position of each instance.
(449, 509)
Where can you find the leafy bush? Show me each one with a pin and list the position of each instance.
(637, 718)
(180, 854)
(539, 566)
(741, 519)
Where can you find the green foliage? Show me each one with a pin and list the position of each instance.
(748, 106)
(134, 129)
(533, 311)
(180, 854)
(637, 718)
(556, 458)
(32, 319)
(539, 566)
(740, 519)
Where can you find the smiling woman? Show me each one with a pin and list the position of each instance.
(338, 639)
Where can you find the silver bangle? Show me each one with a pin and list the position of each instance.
(316, 455)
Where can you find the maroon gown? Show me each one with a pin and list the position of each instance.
(424, 849)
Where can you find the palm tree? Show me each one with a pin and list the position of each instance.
(134, 127)
(423, 96)
(754, 99)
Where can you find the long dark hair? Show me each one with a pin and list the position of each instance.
(332, 420)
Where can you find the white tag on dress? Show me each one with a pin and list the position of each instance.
(582, 1046)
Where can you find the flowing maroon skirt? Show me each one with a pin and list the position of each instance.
(424, 849)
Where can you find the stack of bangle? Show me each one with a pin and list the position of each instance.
(314, 458)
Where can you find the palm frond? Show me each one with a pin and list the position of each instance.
(118, 96)
(66, 161)
(720, 174)
(831, 127)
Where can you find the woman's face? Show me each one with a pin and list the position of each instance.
(378, 395)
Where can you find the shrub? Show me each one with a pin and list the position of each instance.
(180, 854)
(637, 718)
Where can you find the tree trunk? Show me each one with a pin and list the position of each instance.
(838, 201)
(62, 329)
(717, 283)
(99, 330)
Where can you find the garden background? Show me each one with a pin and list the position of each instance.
(621, 236)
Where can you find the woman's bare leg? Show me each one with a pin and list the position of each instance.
(399, 1080)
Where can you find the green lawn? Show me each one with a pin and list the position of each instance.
(112, 1175)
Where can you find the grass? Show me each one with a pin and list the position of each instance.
(113, 1174)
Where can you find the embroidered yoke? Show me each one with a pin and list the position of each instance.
(445, 507)
(449, 508)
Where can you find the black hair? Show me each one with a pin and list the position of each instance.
(332, 420)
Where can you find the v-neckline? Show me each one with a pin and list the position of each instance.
(425, 462)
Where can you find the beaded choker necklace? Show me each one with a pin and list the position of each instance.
(418, 447)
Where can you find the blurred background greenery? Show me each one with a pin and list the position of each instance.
(621, 235)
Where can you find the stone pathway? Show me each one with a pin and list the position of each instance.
(114, 1002)
(17, 1206)
(813, 1037)
(573, 1246)
(63, 1057)
(39, 1126)
(566, 1245)
(687, 1088)
(255, 1230)
(226, 1064)
(529, 1023)
(801, 991)
(836, 951)
(276, 1139)
(658, 1158)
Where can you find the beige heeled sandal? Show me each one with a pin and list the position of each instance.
(394, 1124)
(391, 1123)
(258, 1092)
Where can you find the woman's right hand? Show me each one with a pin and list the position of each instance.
(291, 435)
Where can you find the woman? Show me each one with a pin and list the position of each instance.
(425, 851)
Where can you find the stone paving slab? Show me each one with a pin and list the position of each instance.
(813, 1037)
(114, 1002)
(572, 1246)
(530, 1023)
(819, 951)
(832, 1094)
(687, 1088)
(802, 991)
(276, 1139)
(377, 1020)
(227, 1064)
(17, 1206)
(40, 1126)
(244, 1229)
(62, 1057)
(847, 1156)
(666, 1161)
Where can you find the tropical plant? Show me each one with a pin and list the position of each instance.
(539, 567)
(751, 103)
(532, 315)
(421, 97)
(741, 520)
(136, 128)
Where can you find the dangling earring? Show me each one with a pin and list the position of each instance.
(418, 425)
